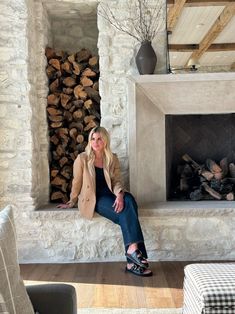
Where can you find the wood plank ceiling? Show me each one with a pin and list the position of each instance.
(204, 30)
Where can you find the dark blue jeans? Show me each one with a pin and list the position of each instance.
(127, 219)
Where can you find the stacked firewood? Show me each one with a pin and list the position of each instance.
(73, 109)
(209, 181)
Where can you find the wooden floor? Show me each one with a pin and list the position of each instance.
(107, 285)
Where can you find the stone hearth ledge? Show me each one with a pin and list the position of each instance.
(173, 231)
(157, 209)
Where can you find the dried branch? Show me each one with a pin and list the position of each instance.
(143, 21)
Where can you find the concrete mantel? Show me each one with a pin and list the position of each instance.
(189, 77)
(195, 93)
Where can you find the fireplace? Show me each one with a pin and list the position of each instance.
(202, 137)
(156, 105)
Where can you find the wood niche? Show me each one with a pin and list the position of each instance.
(73, 109)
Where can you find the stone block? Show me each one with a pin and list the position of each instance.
(7, 140)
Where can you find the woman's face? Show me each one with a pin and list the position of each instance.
(97, 143)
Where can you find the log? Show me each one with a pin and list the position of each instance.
(50, 53)
(67, 172)
(59, 150)
(78, 103)
(55, 63)
(55, 125)
(54, 86)
(64, 160)
(183, 184)
(78, 114)
(224, 166)
(64, 98)
(54, 139)
(88, 119)
(80, 139)
(78, 125)
(76, 68)
(57, 195)
(68, 116)
(88, 104)
(66, 66)
(69, 81)
(71, 58)
(93, 61)
(89, 73)
(62, 55)
(50, 72)
(79, 92)
(213, 166)
(193, 163)
(53, 99)
(81, 147)
(53, 111)
(207, 175)
(211, 191)
(93, 94)
(54, 172)
(85, 81)
(90, 125)
(83, 55)
(232, 170)
(73, 133)
(62, 133)
(56, 118)
(95, 86)
(68, 90)
(72, 109)
(230, 196)
(196, 195)
(58, 180)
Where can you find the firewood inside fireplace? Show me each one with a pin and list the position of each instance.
(211, 180)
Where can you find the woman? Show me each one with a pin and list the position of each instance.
(97, 187)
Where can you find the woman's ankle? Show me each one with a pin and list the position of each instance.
(132, 248)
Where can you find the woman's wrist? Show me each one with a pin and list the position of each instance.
(120, 194)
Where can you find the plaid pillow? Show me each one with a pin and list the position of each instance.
(13, 295)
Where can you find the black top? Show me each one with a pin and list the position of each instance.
(101, 184)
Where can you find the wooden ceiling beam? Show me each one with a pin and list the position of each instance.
(220, 23)
(201, 3)
(192, 47)
(174, 13)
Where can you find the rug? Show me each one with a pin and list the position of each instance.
(128, 311)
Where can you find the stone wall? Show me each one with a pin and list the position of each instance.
(75, 27)
(177, 231)
(16, 112)
(63, 236)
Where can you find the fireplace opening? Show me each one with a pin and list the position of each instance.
(200, 156)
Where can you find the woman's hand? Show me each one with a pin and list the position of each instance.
(69, 204)
(119, 202)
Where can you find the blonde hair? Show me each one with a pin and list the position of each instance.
(108, 155)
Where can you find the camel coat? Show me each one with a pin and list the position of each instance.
(84, 186)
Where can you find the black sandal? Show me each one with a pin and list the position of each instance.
(137, 258)
(139, 271)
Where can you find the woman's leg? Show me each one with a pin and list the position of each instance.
(127, 219)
